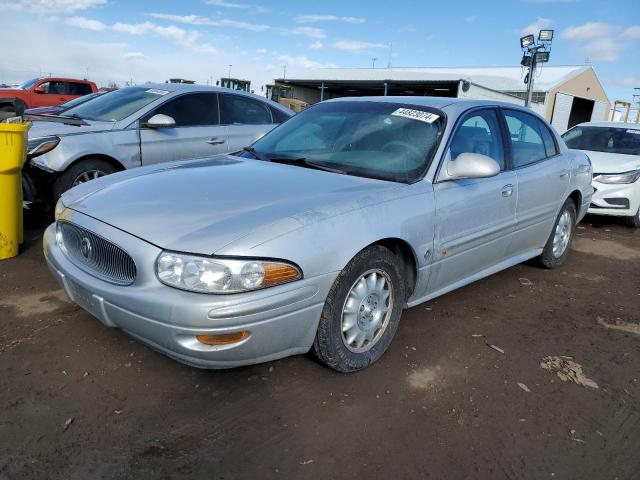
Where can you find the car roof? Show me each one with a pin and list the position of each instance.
(192, 87)
(635, 126)
(435, 102)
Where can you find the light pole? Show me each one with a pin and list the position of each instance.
(533, 54)
(373, 62)
(229, 75)
(284, 72)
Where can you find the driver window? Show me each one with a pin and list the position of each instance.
(53, 88)
(479, 132)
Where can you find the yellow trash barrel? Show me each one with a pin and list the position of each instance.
(13, 154)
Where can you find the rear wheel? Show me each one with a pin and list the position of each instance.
(635, 220)
(362, 311)
(557, 248)
(81, 172)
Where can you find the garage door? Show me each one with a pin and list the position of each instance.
(600, 112)
(562, 111)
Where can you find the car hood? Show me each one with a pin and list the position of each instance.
(42, 128)
(204, 205)
(604, 162)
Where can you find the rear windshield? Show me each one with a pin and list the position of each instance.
(383, 140)
(116, 105)
(621, 140)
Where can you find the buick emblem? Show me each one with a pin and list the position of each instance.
(85, 248)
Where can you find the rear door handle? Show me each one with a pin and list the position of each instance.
(564, 173)
(507, 190)
(215, 141)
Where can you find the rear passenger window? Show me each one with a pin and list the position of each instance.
(191, 110)
(78, 88)
(240, 110)
(527, 145)
(479, 133)
(278, 115)
(547, 137)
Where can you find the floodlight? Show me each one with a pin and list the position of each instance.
(545, 35)
(526, 41)
(542, 57)
(526, 61)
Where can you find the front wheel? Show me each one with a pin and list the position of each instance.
(635, 220)
(556, 249)
(81, 172)
(362, 311)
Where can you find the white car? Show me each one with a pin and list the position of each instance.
(614, 150)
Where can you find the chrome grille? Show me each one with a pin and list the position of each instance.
(96, 255)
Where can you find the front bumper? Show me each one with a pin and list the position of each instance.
(282, 320)
(621, 200)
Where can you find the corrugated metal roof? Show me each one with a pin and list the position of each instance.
(497, 78)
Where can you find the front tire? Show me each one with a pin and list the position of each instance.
(556, 249)
(81, 172)
(635, 220)
(362, 311)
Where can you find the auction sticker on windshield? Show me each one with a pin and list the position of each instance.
(416, 115)
(155, 91)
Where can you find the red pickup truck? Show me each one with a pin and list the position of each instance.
(42, 92)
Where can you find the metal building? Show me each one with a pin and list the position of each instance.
(565, 95)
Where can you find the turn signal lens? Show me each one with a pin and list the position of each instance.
(223, 338)
(275, 273)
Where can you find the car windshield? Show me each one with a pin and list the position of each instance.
(28, 84)
(604, 139)
(383, 140)
(116, 105)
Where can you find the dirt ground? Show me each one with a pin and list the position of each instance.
(558, 396)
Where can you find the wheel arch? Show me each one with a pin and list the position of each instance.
(97, 156)
(403, 250)
(576, 197)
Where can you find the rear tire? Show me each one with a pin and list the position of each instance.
(556, 249)
(80, 172)
(362, 311)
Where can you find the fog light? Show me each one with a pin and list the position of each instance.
(223, 338)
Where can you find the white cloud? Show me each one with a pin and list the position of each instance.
(317, 45)
(50, 6)
(303, 61)
(311, 32)
(601, 41)
(632, 33)
(261, 50)
(631, 81)
(327, 18)
(224, 3)
(540, 23)
(471, 18)
(131, 56)
(86, 23)
(589, 31)
(198, 20)
(355, 46)
(177, 34)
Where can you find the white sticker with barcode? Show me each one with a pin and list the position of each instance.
(155, 91)
(419, 115)
(635, 132)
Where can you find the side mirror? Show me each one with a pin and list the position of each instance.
(472, 165)
(160, 121)
(39, 90)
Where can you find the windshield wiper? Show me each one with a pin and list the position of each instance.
(307, 163)
(253, 152)
(66, 119)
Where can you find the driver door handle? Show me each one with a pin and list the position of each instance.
(215, 141)
(564, 173)
(507, 190)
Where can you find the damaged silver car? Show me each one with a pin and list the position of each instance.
(321, 233)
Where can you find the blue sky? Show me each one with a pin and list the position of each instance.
(121, 40)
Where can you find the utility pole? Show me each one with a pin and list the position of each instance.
(229, 76)
(373, 62)
(284, 72)
(531, 75)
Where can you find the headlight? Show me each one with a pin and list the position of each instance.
(42, 145)
(220, 275)
(626, 177)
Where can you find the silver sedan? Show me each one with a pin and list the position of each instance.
(321, 233)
